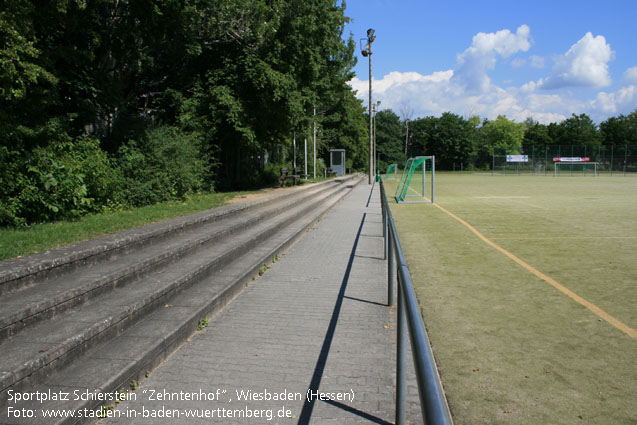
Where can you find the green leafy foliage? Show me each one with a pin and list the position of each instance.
(389, 139)
(536, 135)
(165, 164)
(58, 181)
(578, 130)
(621, 130)
(452, 140)
(502, 136)
(461, 143)
(176, 92)
(18, 67)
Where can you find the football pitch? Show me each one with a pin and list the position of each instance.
(528, 289)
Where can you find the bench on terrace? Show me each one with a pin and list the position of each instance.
(286, 174)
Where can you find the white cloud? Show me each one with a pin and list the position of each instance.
(611, 103)
(404, 78)
(518, 63)
(537, 61)
(453, 90)
(584, 64)
(630, 75)
(528, 87)
(403, 87)
(533, 61)
(473, 64)
(438, 93)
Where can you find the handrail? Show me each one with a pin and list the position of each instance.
(433, 403)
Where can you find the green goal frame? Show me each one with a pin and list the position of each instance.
(391, 172)
(415, 176)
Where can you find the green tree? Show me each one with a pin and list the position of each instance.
(421, 131)
(536, 136)
(389, 140)
(503, 136)
(621, 130)
(555, 132)
(451, 141)
(346, 128)
(231, 79)
(273, 66)
(499, 137)
(579, 130)
(19, 69)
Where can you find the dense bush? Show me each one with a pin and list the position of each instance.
(165, 164)
(62, 180)
(68, 178)
(270, 174)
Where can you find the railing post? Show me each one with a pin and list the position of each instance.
(391, 272)
(383, 208)
(401, 359)
(389, 247)
(385, 226)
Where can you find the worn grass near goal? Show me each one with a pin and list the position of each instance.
(512, 347)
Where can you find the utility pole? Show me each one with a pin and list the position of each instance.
(406, 112)
(376, 106)
(315, 143)
(373, 127)
(371, 130)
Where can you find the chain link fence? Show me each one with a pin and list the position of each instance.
(603, 160)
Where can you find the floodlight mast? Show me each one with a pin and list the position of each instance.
(367, 52)
(375, 108)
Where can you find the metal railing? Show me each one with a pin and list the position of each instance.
(433, 403)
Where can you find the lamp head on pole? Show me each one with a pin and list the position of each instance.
(364, 47)
(370, 35)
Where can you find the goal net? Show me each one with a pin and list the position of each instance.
(391, 172)
(419, 172)
(574, 166)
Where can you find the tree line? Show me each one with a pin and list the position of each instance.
(470, 143)
(108, 104)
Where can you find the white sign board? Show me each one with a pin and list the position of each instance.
(517, 158)
(571, 159)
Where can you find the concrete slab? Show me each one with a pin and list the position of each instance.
(315, 323)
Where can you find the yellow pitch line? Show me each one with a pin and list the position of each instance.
(557, 238)
(592, 307)
(418, 193)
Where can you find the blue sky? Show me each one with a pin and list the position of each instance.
(544, 59)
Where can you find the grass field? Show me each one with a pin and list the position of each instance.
(530, 300)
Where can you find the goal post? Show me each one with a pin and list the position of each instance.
(412, 187)
(576, 164)
(391, 172)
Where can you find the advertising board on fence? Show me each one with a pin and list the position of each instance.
(517, 158)
(571, 159)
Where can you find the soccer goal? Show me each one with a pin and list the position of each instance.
(412, 187)
(391, 173)
(573, 166)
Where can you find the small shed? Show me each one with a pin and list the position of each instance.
(337, 161)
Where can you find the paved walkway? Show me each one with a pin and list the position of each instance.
(317, 320)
